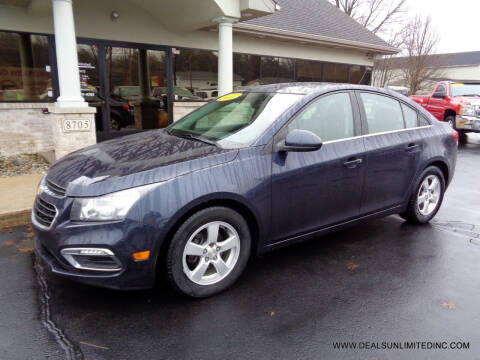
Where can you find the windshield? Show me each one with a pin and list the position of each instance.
(236, 119)
(465, 90)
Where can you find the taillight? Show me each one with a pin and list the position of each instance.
(126, 107)
(455, 136)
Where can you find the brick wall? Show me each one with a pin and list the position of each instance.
(24, 128)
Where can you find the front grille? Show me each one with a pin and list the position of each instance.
(44, 212)
(57, 190)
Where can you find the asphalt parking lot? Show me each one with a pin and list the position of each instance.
(383, 281)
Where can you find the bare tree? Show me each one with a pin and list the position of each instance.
(375, 15)
(383, 69)
(419, 66)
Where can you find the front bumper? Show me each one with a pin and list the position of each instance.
(122, 238)
(467, 123)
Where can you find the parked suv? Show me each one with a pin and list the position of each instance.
(244, 174)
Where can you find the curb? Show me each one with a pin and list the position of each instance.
(15, 218)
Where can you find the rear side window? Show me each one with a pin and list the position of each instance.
(330, 117)
(410, 116)
(423, 122)
(383, 113)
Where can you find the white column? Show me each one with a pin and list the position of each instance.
(225, 54)
(67, 60)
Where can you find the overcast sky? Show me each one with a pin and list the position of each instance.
(456, 21)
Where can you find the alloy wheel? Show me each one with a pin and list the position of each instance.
(428, 195)
(211, 253)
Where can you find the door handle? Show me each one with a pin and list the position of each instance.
(352, 162)
(412, 147)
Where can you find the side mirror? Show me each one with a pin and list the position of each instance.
(300, 141)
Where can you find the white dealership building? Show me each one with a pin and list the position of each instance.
(74, 72)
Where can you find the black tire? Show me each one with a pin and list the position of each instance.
(412, 213)
(174, 257)
(451, 121)
(462, 137)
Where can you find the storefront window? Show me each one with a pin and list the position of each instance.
(24, 68)
(268, 70)
(246, 68)
(357, 74)
(277, 70)
(286, 70)
(367, 77)
(335, 73)
(195, 75)
(309, 70)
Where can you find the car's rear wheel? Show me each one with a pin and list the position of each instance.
(427, 197)
(209, 252)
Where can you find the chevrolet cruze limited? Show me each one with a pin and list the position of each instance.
(244, 174)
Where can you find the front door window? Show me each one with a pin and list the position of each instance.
(330, 117)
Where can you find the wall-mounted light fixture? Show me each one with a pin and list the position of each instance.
(114, 15)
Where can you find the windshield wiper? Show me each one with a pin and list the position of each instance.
(195, 138)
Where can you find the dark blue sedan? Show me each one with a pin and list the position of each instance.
(250, 172)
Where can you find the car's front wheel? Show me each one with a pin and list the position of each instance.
(451, 121)
(209, 252)
(427, 197)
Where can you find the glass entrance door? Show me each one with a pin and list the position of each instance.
(90, 80)
(127, 84)
(137, 81)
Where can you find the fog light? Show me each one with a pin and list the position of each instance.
(94, 252)
(93, 259)
(141, 255)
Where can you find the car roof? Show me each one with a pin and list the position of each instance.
(310, 88)
(314, 89)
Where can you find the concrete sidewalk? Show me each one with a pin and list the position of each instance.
(17, 194)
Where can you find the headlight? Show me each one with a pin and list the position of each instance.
(41, 185)
(467, 110)
(112, 206)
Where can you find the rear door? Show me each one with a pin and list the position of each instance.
(392, 147)
(314, 189)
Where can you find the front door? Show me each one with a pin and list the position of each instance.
(315, 189)
(436, 104)
(392, 151)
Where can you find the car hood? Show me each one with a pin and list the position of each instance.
(134, 160)
(468, 100)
